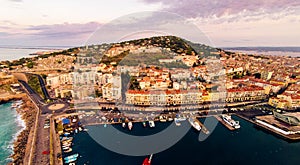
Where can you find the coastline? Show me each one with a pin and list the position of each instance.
(11, 97)
(26, 116)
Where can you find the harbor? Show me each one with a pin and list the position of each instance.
(89, 151)
(276, 127)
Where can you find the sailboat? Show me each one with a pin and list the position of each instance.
(147, 161)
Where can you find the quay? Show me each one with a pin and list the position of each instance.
(276, 128)
(224, 123)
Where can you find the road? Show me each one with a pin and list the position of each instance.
(42, 135)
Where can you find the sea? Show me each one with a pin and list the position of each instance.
(11, 125)
(14, 52)
(248, 145)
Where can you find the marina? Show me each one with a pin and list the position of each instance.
(269, 148)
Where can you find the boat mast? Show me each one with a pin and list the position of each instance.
(150, 158)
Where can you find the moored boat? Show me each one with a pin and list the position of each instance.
(71, 156)
(230, 121)
(69, 150)
(151, 124)
(162, 119)
(130, 125)
(144, 124)
(123, 125)
(180, 118)
(177, 123)
(194, 123)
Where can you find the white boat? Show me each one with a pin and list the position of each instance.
(151, 124)
(177, 123)
(123, 125)
(71, 157)
(230, 121)
(180, 118)
(162, 119)
(170, 119)
(194, 123)
(130, 125)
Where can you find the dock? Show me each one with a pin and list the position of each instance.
(224, 123)
(276, 127)
(203, 128)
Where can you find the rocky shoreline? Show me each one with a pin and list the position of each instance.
(28, 113)
(12, 97)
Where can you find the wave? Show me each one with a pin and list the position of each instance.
(20, 124)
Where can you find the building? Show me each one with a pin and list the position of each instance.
(163, 97)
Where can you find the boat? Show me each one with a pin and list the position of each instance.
(230, 121)
(177, 123)
(170, 119)
(71, 156)
(162, 119)
(69, 150)
(80, 129)
(76, 130)
(151, 124)
(70, 160)
(67, 133)
(144, 124)
(123, 125)
(194, 123)
(180, 118)
(130, 125)
(147, 161)
(66, 144)
(65, 148)
(66, 138)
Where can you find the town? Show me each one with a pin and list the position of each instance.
(166, 75)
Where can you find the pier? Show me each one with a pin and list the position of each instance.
(277, 128)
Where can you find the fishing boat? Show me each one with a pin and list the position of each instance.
(130, 125)
(147, 161)
(151, 124)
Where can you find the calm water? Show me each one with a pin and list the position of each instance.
(10, 126)
(17, 53)
(246, 146)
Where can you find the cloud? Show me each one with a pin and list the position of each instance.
(19, 1)
(227, 8)
(63, 30)
(57, 34)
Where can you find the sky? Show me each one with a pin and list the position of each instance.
(226, 23)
